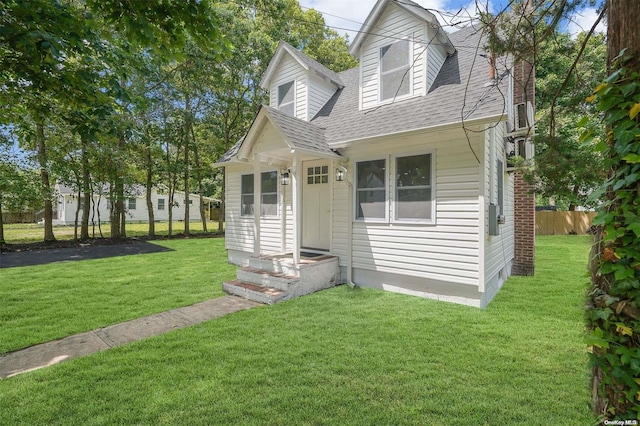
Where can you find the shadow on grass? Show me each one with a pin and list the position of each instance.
(42, 257)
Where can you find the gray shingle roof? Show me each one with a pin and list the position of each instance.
(458, 92)
(301, 134)
(315, 65)
(227, 156)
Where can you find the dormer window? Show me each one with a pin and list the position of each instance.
(286, 98)
(394, 70)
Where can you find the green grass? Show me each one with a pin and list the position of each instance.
(19, 233)
(47, 302)
(344, 356)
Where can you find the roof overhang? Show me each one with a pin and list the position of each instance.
(283, 49)
(436, 128)
(411, 7)
(245, 152)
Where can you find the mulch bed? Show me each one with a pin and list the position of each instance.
(41, 245)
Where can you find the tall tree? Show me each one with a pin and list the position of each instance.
(567, 169)
(614, 311)
(51, 51)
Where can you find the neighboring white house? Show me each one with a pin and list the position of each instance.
(135, 205)
(397, 168)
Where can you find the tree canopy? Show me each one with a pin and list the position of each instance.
(567, 169)
(117, 93)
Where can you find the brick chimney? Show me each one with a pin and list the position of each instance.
(524, 197)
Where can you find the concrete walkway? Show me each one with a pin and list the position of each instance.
(50, 353)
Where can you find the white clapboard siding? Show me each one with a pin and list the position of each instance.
(341, 216)
(239, 230)
(320, 91)
(140, 213)
(289, 227)
(448, 250)
(435, 58)
(395, 22)
(270, 235)
(498, 248)
(290, 70)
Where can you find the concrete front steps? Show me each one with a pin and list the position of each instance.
(272, 279)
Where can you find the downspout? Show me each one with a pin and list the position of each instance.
(350, 282)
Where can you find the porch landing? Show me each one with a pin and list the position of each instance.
(275, 278)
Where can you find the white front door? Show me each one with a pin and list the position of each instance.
(316, 205)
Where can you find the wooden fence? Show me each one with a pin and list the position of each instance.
(23, 217)
(563, 223)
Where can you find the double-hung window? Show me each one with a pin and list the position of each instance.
(246, 196)
(371, 192)
(395, 70)
(500, 171)
(132, 204)
(286, 98)
(413, 189)
(161, 202)
(268, 194)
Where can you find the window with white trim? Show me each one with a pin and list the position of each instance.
(500, 171)
(269, 194)
(246, 195)
(371, 190)
(161, 202)
(413, 201)
(131, 205)
(286, 98)
(395, 70)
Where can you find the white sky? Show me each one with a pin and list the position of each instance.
(584, 20)
(343, 13)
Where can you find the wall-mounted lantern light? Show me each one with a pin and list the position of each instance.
(341, 172)
(284, 177)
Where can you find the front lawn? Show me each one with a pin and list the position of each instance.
(48, 302)
(344, 356)
(19, 233)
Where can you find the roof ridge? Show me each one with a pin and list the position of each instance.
(312, 63)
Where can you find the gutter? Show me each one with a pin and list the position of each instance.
(438, 127)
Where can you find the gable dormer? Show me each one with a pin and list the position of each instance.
(401, 48)
(298, 86)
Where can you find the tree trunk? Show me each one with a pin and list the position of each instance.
(221, 213)
(149, 187)
(46, 184)
(608, 385)
(622, 32)
(76, 215)
(1, 224)
(119, 215)
(187, 134)
(196, 153)
(171, 196)
(86, 189)
(171, 191)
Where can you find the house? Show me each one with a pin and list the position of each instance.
(135, 205)
(394, 172)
